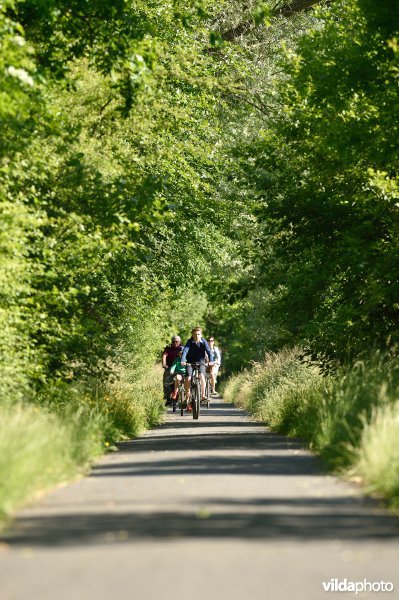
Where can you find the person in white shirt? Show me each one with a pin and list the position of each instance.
(217, 361)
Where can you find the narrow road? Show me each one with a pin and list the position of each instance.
(216, 509)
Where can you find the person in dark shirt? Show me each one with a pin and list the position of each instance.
(169, 355)
(194, 351)
(171, 352)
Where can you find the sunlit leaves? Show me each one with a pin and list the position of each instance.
(334, 186)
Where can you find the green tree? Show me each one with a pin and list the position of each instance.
(324, 170)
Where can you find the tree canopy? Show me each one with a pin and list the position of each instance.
(165, 163)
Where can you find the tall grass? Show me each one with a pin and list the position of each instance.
(350, 417)
(133, 406)
(39, 449)
(282, 391)
(377, 456)
(67, 429)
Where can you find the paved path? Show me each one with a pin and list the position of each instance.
(216, 509)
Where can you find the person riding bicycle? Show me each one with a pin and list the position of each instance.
(217, 359)
(194, 352)
(169, 355)
(179, 373)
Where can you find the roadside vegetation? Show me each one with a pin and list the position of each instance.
(324, 274)
(108, 158)
(58, 437)
(166, 164)
(349, 416)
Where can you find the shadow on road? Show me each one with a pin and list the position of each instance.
(214, 465)
(320, 520)
(209, 441)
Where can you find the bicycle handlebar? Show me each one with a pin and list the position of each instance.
(197, 364)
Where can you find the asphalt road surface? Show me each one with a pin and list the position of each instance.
(219, 508)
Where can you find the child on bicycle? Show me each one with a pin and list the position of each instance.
(180, 371)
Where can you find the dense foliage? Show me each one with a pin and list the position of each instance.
(159, 158)
(109, 158)
(323, 168)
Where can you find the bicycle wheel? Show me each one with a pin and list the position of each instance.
(208, 391)
(196, 400)
(181, 396)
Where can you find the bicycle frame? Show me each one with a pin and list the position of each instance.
(195, 388)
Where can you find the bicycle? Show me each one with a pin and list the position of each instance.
(180, 399)
(195, 388)
(181, 396)
(167, 386)
(208, 389)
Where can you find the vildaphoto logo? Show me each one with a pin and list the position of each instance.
(344, 585)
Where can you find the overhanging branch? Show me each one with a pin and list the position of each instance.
(284, 9)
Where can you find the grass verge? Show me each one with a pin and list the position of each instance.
(351, 417)
(57, 438)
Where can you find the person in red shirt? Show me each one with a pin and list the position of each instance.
(169, 354)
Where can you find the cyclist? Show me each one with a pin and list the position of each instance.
(217, 359)
(179, 372)
(169, 354)
(194, 351)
